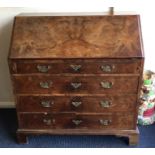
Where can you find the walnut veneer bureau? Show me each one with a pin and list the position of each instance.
(77, 75)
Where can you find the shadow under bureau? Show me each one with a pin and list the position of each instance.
(77, 75)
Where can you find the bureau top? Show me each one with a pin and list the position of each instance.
(98, 36)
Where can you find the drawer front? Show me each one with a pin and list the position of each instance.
(78, 66)
(73, 121)
(75, 84)
(96, 104)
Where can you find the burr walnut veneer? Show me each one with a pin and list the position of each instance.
(77, 75)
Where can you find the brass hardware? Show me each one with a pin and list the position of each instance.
(107, 68)
(47, 121)
(46, 85)
(76, 85)
(47, 104)
(105, 104)
(106, 84)
(43, 68)
(105, 122)
(76, 67)
(76, 104)
(76, 121)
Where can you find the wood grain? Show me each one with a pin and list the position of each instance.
(87, 66)
(76, 37)
(65, 121)
(63, 84)
(87, 104)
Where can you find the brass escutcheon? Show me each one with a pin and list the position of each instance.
(105, 103)
(76, 67)
(47, 104)
(76, 85)
(107, 68)
(106, 84)
(46, 84)
(76, 121)
(105, 122)
(76, 103)
(43, 68)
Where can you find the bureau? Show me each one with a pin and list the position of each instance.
(76, 75)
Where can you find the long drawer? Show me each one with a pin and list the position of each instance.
(95, 104)
(75, 84)
(95, 66)
(75, 121)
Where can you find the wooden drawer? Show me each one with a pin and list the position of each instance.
(75, 121)
(75, 84)
(122, 103)
(77, 66)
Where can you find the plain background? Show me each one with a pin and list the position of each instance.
(10, 8)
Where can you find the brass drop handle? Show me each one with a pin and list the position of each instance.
(46, 84)
(77, 121)
(105, 122)
(76, 103)
(107, 68)
(76, 85)
(47, 104)
(48, 121)
(106, 84)
(43, 68)
(105, 103)
(76, 67)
